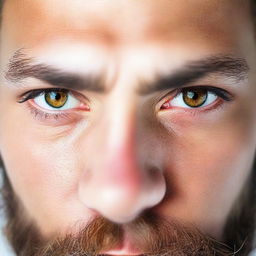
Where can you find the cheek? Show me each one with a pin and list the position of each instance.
(44, 175)
(209, 160)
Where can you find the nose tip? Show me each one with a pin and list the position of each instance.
(120, 181)
(120, 190)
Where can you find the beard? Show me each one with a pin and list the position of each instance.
(153, 235)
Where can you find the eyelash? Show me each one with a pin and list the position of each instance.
(34, 93)
(219, 92)
(223, 94)
(39, 114)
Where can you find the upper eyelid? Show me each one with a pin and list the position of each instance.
(44, 90)
(217, 90)
(37, 92)
(220, 92)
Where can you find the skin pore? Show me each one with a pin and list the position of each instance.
(125, 151)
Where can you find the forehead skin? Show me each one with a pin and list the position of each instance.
(114, 22)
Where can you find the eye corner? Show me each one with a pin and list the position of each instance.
(195, 98)
(166, 105)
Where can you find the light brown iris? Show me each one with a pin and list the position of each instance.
(194, 97)
(56, 99)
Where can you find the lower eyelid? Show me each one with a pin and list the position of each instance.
(216, 105)
(197, 110)
(220, 93)
(42, 117)
(81, 107)
(41, 92)
(53, 119)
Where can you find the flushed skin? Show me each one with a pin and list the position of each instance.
(123, 153)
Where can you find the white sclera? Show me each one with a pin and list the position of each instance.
(71, 102)
(179, 102)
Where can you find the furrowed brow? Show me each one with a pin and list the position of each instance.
(21, 67)
(227, 66)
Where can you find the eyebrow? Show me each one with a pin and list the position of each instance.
(224, 65)
(21, 67)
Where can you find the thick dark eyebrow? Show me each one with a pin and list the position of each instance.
(227, 66)
(21, 67)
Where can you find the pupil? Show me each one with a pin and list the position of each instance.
(193, 95)
(56, 99)
(57, 96)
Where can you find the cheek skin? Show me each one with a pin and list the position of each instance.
(210, 161)
(47, 168)
(52, 179)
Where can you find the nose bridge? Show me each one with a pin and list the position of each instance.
(121, 124)
(120, 145)
(120, 186)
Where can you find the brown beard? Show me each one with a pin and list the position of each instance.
(152, 234)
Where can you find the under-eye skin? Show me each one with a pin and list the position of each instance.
(197, 98)
(53, 103)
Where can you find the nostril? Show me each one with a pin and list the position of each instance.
(153, 172)
(121, 190)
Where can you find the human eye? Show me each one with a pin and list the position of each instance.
(53, 102)
(198, 97)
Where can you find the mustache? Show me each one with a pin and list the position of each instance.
(152, 235)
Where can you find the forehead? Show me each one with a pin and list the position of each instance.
(115, 22)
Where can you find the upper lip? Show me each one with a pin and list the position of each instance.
(121, 253)
(123, 250)
(127, 247)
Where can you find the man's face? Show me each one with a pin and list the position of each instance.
(112, 108)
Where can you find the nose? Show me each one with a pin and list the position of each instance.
(119, 183)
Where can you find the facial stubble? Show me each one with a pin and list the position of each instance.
(152, 234)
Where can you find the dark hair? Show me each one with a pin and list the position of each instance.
(1, 4)
(1, 7)
(253, 8)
